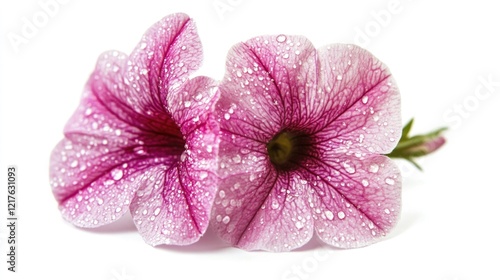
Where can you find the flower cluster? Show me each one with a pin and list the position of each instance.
(291, 143)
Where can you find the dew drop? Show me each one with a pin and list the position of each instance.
(183, 48)
(350, 169)
(118, 209)
(364, 99)
(361, 138)
(117, 174)
(329, 215)
(226, 220)
(218, 218)
(203, 175)
(275, 205)
(222, 194)
(339, 77)
(157, 211)
(143, 45)
(373, 168)
(239, 74)
(237, 159)
(187, 103)
(299, 224)
(74, 163)
(387, 211)
(365, 183)
(281, 38)
(183, 156)
(227, 116)
(99, 201)
(145, 212)
(286, 55)
(341, 215)
(389, 181)
(88, 111)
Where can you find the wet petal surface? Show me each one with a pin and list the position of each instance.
(335, 110)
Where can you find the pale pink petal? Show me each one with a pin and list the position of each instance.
(327, 100)
(361, 103)
(124, 134)
(263, 211)
(174, 201)
(265, 81)
(160, 64)
(355, 201)
(93, 186)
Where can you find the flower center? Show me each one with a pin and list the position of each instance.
(287, 149)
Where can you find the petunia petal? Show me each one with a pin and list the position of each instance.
(265, 79)
(263, 212)
(161, 63)
(174, 201)
(93, 185)
(361, 109)
(355, 201)
(194, 104)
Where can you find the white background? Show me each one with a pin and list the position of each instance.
(440, 54)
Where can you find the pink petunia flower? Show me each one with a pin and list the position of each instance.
(144, 138)
(303, 133)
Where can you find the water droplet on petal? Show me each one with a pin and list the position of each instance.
(275, 204)
(285, 56)
(203, 175)
(226, 220)
(227, 116)
(373, 168)
(341, 215)
(339, 77)
(364, 99)
(387, 211)
(74, 163)
(237, 159)
(329, 215)
(143, 45)
(389, 181)
(238, 73)
(117, 174)
(187, 103)
(350, 169)
(365, 183)
(118, 209)
(281, 38)
(99, 201)
(299, 224)
(157, 211)
(222, 194)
